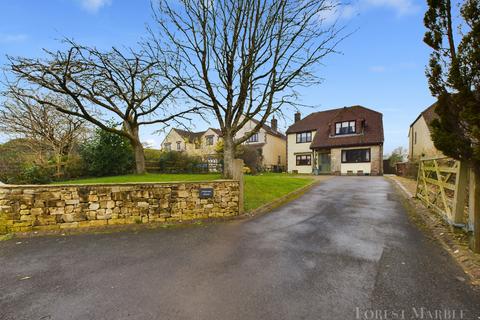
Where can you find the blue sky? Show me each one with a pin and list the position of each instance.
(382, 64)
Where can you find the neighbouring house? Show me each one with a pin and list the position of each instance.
(201, 144)
(343, 141)
(420, 143)
(268, 141)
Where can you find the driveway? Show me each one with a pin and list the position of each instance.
(344, 250)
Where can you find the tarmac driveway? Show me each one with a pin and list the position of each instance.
(344, 250)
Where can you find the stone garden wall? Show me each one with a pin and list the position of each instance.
(52, 207)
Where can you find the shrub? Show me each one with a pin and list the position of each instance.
(36, 174)
(107, 154)
(252, 158)
(152, 154)
(179, 162)
(19, 162)
(246, 170)
(74, 167)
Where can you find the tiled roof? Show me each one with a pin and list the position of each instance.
(323, 123)
(190, 135)
(270, 130)
(429, 115)
(217, 131)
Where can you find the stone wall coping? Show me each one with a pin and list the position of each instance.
(111, 184)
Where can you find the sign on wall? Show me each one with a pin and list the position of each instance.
(206, 193)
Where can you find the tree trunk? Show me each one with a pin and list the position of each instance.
(475, 207)
(139, 158)
(228, 157)
(137, 150)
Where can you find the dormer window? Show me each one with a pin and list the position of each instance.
(345, 127)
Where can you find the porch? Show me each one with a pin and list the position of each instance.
(322, 161)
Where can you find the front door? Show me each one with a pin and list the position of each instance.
(324, 163)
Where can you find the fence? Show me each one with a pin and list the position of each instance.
(407, 169)
(206, 167)
(442, 185)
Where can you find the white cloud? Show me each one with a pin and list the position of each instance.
(335, 11)
(94, 5)
(151, 143)
(401, 7)
(378, 69)
(13, 38)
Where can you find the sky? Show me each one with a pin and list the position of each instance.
(381, 65)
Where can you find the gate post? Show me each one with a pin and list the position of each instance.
(461, 183)
(474, 209)
(238, 175)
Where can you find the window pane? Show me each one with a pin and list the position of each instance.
(253, 138)
(345, 127)
(304, 137)
(304, 160)
(356, 155)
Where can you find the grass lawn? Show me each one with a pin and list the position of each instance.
(259, 189)
(262, 189)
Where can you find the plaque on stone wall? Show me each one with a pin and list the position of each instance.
(206, 193)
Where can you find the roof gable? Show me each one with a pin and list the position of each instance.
(189, 135)
(428, 115)
(212, 131)
(323, 122)
(269, 129)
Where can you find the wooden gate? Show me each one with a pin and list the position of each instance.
(442, 185)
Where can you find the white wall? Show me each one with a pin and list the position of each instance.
(372, 167)
(366, 167)
(294, 149)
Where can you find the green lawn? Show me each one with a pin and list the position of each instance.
(259, 189)
(262, 189)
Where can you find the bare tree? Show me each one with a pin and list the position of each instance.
(128, 87)
(243, 58)
(42, 125)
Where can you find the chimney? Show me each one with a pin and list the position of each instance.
(297, 116)
(274, 124)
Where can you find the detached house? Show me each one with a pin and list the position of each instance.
(347, 141)
(201, 144)
(420, 136)
(268, 141)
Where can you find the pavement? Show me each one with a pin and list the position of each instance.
(344, 250)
